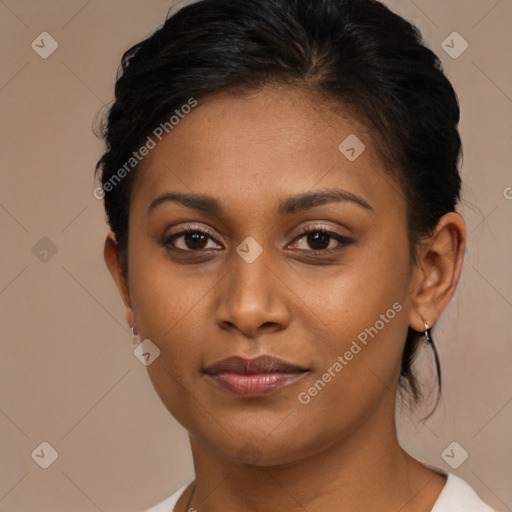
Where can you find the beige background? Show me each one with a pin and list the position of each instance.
(68, 375)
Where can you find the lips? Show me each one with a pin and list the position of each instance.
(253, 377)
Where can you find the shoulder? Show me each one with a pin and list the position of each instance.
(458, 496)
(168, 504)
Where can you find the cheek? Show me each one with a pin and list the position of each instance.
(366, 288)
(169, 310)
(169, 307)
(163, 293)
(366, 316)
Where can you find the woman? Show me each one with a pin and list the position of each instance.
(281, 181)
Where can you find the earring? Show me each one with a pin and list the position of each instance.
(428, 339)
(135, 334)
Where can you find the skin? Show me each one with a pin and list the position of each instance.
(340, 451)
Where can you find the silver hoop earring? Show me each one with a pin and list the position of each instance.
(428, 339)
(134, 331)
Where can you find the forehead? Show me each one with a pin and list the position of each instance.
(266, 143)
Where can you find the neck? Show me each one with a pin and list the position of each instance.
(366, 470)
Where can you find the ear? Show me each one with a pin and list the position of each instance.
(111, 254)
(437, 273)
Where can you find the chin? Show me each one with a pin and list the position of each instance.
(258, 447)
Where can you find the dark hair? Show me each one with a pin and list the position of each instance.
(356, 53)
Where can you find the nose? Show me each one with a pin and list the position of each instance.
(252, 299)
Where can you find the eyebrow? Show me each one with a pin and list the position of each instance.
(290, 205)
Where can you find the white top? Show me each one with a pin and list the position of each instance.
(456, 496)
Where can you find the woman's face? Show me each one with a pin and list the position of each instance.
(248, 280)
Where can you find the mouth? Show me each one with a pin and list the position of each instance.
(254, 377)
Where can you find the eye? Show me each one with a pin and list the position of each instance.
(321, 240)
(191, 240)
(316, 239)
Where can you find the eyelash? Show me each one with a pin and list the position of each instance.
(342, 240)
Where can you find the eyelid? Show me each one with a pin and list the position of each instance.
(181, 231)
(191, 228)
(306, 228)
(343, 240)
